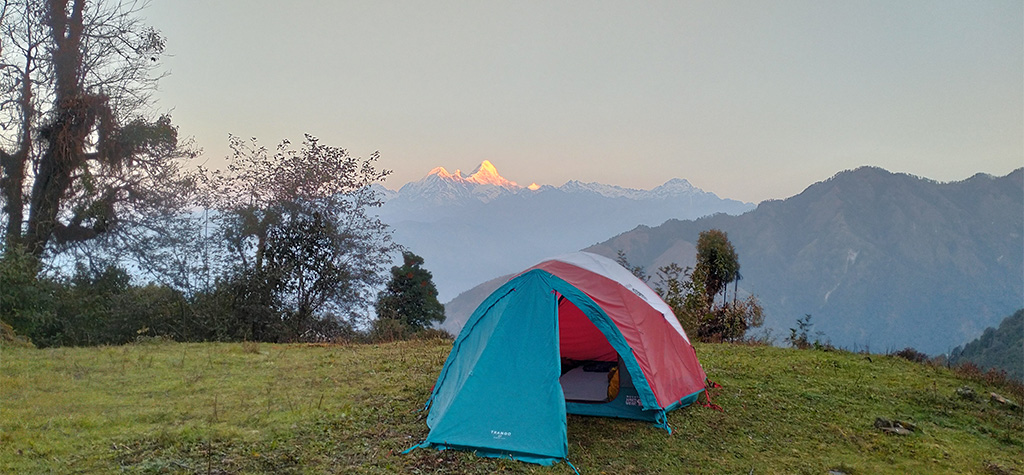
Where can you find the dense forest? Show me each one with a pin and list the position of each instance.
(999, 348)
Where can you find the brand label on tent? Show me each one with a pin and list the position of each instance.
(633, 401)
(500, 435)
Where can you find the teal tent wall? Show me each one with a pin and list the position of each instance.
(498, 393)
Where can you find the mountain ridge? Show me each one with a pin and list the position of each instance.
(472, 230)
(879, 259)
(439, 186)
(867, 251)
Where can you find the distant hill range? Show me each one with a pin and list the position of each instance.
(997, 348)
(881, 260)
(475, 227)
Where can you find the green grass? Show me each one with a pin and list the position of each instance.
(264, 408)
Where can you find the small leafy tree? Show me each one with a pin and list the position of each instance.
(410, 297)
(800, 337)
(717, 262)
(676, 289)
(691, 293)
(300, 245)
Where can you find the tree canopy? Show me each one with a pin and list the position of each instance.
(998, 348)
(410, 297)
(295, 223)
(717, 262)
(278, 246)
(691, 292)
(80, 152)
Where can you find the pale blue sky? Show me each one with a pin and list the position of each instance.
(751, 100)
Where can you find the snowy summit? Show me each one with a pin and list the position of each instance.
(485, 174)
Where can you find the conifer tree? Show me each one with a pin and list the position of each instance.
(410, 296)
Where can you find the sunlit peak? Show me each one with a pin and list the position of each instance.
(441, 172)
(533, 186)
(485, 174)
(486, 167)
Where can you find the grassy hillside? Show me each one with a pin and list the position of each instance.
(262, 408)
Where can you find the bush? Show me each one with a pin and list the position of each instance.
(103, 308)
(798, 337)
(764, 338)
(241, 307)
(994, 377)
(433, 334)
(328, 329)
(730, 321)
(26, 302)
(92, 307)
(911, 354)
(388, 330)
(9, 338)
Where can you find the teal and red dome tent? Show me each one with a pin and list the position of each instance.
(576, 334)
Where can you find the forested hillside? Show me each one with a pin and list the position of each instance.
(880, 260)
(998, 348)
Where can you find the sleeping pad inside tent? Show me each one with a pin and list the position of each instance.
(577, 334)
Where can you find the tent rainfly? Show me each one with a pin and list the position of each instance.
(577, 334)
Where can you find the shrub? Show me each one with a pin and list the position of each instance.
(911, 354)
(101, 307)
(388, 330)
(26, 302)
(731, 321)
(251, 347)
(9, 338)
(328, 329)
(798, 337)
(240, 307)
(764, 338)
(993, 377)
(433, 334)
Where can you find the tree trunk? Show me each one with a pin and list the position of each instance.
(13, 166)
(73, 119)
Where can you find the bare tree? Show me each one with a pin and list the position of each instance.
(80, 152)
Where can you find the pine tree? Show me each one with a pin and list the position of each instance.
(410, 296)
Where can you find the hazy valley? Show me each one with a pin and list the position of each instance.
(880, 260)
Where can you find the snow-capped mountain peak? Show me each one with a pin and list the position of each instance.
(484, 174)
(675, 187)
(456, 221)
(442, 173)
(608, 191)
(440, 187)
